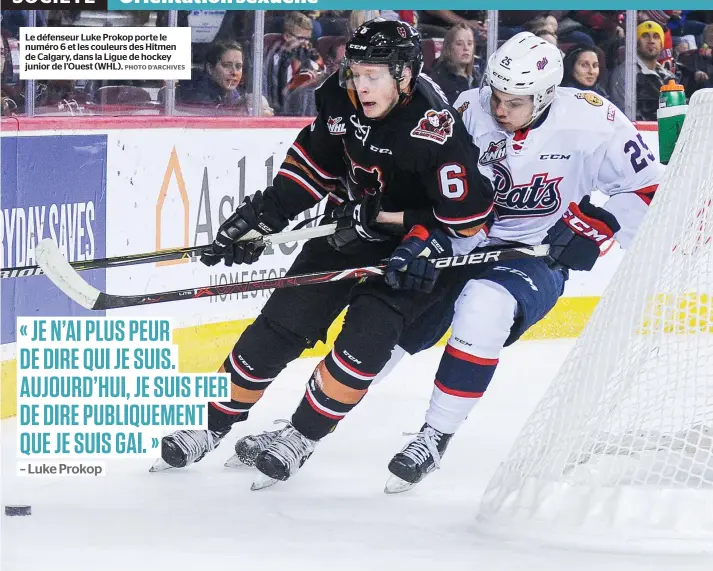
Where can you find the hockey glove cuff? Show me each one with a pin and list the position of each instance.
(409, 266)
(356, 224)
(576, 238)
(250, 220)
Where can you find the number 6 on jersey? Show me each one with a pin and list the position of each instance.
(452, 181)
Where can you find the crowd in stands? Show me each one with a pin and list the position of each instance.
(302, 48)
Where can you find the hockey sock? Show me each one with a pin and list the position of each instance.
(317, 414)
(460, 382)
(262, 351)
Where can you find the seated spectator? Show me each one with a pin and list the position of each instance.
(436, 23)
(454, 71)
(546, 35)
(408, 16)
(581, 69)
(12, 97)
(661, 18)
(544, 21)
(650, 76)
(218, 84)
(680, 24)
(695, 65)
(335, 55)
(293, 65)
(356, 19)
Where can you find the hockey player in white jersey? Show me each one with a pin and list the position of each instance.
(545, 148)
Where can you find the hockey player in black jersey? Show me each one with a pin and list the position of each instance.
(399, 172)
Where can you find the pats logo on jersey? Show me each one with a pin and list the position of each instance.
(591, 98)
(335, 126)
(435, 126)
(494, 153)
(464, 106)
(611, 113)
(539, 197)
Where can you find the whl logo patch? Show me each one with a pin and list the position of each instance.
(539, 197)
(495, 153)
(335, 126)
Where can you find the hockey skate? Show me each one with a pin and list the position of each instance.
(186, 447)
(286, 454)
(417, 459)
(248, 448)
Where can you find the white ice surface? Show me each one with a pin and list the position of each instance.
(333, 515)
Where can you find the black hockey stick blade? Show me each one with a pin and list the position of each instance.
(191, 252)
(88, 296)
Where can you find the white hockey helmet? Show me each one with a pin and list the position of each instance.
(526, 65)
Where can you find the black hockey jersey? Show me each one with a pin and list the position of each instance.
(419, 156)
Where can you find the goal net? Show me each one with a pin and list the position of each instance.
(619, 452)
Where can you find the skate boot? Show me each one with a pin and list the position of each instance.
(417, 459)
(248, 447)
(186, 447)
(285, 455)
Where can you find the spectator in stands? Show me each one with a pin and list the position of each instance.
(661, 18)
(12, 100)
(436, 23)
(696, 65)
(293, 68)
(335, 55)
(680, 24)
(454, 71)
(545, 21)
(219, 84)
(650, 76)
(546, 35)
(356, 19)
(581, 69)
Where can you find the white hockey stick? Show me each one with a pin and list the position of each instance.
(67, 279)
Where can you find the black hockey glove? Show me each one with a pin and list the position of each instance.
(575, 238)
(248, 221)
(356, 224)
(409, 266)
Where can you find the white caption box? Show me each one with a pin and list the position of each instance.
(105, 53)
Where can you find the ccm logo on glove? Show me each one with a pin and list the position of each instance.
(595, 230)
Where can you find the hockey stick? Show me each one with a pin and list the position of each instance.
(165, 255)
(68, 280)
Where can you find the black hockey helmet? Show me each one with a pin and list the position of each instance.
(382, 41)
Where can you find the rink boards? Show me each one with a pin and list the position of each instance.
(111, 186)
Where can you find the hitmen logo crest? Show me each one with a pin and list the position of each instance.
(435, 126)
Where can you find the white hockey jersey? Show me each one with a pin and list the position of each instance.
(584, 143)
